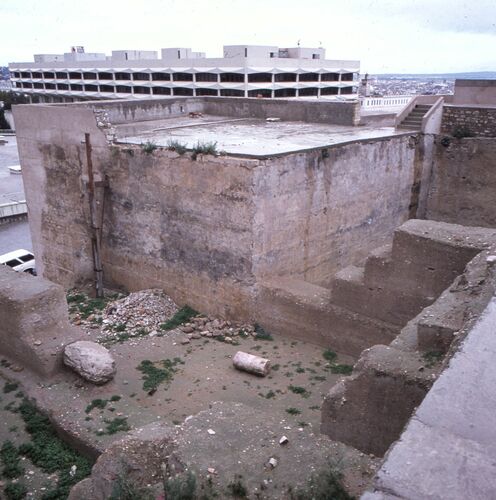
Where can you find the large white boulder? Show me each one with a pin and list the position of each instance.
(90, 360)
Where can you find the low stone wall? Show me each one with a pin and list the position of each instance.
(469, 120)
(34, 322)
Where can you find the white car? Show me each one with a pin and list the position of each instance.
(19, 260)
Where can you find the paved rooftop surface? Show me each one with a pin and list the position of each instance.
(255, 136)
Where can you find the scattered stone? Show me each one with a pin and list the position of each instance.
(37, 342)
(91, 361)
(17, 368)
(273, 462)
(185, 341)
(283, 440)
(211, 431)
(188, 329)
(211, 470)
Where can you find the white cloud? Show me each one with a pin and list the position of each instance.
(386, 35)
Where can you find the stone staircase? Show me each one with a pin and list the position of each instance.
(413, 121)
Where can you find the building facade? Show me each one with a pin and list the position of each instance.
(243, 71)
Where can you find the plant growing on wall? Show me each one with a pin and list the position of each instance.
(178, 147)
(204, 148)
(148, 147)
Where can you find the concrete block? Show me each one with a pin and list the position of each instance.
(34, 324)
(369, 409)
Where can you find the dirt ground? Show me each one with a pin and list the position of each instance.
(201, 372)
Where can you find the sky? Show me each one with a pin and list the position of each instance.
(387, 36)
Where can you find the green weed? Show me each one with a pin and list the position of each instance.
(182, 316)
(153, 376)
(177, 146)
(293, 411)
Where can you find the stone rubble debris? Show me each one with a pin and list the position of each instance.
(251, 363)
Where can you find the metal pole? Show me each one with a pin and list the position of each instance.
(95, 222)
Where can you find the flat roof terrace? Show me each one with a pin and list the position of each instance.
(252, 137)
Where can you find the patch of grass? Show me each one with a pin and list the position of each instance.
(431, 358)
(300, 370)
(181, 487)
(119, 327)
(177, 146)
(323, 485)
(314, 407)
(153, 376)
(51, 454)
(148, 147)
(10, 387)
(276, 367)
(236, 487)
(15, 491)
(293, 411)
(75, 297)
(96, 403)
(182, 316)
(117, 424)
(204, 148)
(261, 334)
(329, 355)
(303, 424)
(10, 457)
(341, 369)
(269, 395)
(299, 390)
(319, 378)
(115, 398)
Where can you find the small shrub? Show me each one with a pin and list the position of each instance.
(182, 316)
(115, 398)
(11, 461)
(117, 424)
(460, 132)
(10, 387)
(341, 369)
(293, 411)
(323, 485)
(204, 148)
(177, 146)
(431, 358)
(148, 147)
(329, 355)
(261, 334)
(181, 487)
(299, 390)
(153, 376)
(96, 403)
(15, 491)
(236, 487)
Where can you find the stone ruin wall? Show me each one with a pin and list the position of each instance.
(476, 120)
(207, 231)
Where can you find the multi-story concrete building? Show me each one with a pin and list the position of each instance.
(243, 71)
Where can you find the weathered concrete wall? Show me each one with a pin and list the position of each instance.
(477, 121)
(181, 225)
(321, 210)
(472, 92)
(212, 232)
(52, 155)
(34, 323)
(339, 113)
(463, 183)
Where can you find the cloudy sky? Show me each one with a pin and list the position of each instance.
(403, 36)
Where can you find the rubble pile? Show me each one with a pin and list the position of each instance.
(201, 326)
(146, 309)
